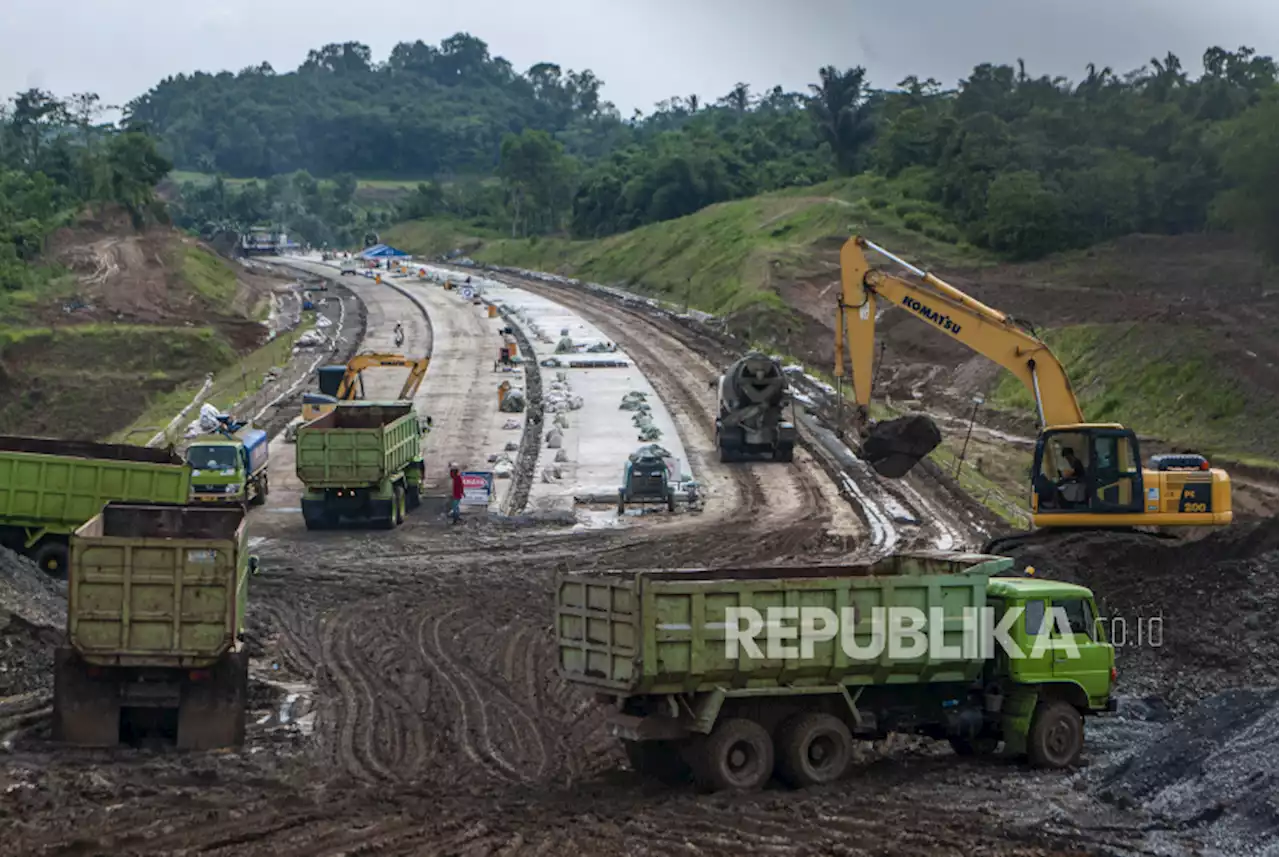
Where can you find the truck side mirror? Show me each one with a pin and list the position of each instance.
(253, 565)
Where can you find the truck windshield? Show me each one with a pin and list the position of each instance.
(212, 457)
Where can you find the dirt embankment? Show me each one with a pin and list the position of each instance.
(142, 313)
(1188, 618)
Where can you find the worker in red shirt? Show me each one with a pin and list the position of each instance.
(455, 503)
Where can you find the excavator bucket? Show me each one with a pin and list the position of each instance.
(893, 447)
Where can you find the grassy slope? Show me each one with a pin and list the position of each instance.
(1178, 394)
(239, 379)
(88, 380)
(722, 258)
(730, 256)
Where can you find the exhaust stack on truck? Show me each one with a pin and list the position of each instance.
(755, 414)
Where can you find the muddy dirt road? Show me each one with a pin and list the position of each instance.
(406, 701)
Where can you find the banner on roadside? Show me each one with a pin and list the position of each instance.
(477, 488)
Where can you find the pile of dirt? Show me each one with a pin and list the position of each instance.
(32, 614)
(1213, 771)
(1187, 618)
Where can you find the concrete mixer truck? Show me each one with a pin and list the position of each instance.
(755, 416)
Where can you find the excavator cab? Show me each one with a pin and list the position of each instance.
(1087, 469)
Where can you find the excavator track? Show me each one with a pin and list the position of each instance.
(1000, 544)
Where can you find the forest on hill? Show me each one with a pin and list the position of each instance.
(1012, 162)
(58, 159)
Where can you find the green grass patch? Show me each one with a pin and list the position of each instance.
(1162, 381)
(231, 385)
(724, 258)
(209, 276)
(86, 381)
(437, 236)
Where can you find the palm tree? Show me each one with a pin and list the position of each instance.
(840, 108)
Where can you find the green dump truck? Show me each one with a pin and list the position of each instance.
(361, 461)
(155, 614)
(49, 487)
(738, 674)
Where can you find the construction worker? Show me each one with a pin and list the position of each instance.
(455, 502)
(399, 334)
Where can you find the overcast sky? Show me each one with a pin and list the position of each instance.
(644, 50)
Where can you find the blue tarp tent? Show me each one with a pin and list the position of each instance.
(380, 251)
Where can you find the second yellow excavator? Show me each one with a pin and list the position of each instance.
(1084, 475)
(346, 383)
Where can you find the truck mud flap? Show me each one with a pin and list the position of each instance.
(211, 714)
(895, 446)
(86, 709)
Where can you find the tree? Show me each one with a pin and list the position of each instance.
(535, 172)
(839, 106)
(1249, 144)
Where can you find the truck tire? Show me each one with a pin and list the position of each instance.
(1056, 738)
(398, 501)
(736, 756)
(260, 492)
(671, 502)
(727, 455)
(52, 556)
(86, 710)
(211, 713)
(785, 454)
(412, 496)
(813, 749)
(622, 504)
(658, 760)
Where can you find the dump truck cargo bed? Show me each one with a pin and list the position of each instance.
(655, 632)
(159, 586)
(62, 484)
(357, 444)
(155, 611)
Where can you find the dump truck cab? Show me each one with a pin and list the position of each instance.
(229, 470)
(1065, 671)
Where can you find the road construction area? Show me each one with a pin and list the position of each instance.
(405, 696)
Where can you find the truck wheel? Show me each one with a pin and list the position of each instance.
(813, 749)
(86, 711)
(727, 455)
(736, 756)
(52, 557)
(658, 760)
(622, 505)
(397, 500)
(785, 454)
(413, 496)
(671, 502)
(1056, 738)
(211, 711)
(260, 492)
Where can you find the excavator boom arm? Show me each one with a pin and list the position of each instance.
(987, 331)
(352, 379)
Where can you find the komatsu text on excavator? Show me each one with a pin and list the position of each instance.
(1084, 475)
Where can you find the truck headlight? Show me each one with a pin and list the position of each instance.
(231, 489)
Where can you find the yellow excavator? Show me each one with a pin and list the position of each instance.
(346, 383)
(1084, 475)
